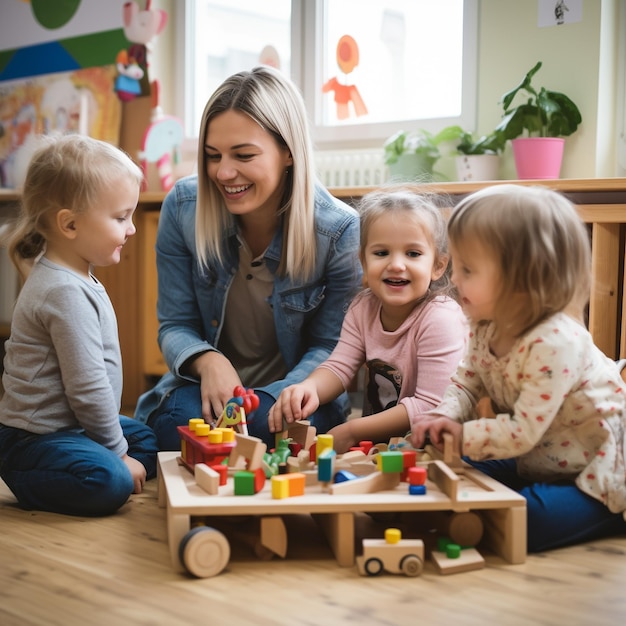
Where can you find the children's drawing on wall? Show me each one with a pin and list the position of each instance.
(559, 12)
(346, 93)
(141, 26)
(68, 102)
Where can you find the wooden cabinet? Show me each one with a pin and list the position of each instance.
(132, 284)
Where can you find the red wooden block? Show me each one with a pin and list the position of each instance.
(417, 475)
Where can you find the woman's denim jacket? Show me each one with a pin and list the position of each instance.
(192, 300)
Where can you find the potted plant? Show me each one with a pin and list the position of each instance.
(476, 158)
(411, 156)
(545, 117)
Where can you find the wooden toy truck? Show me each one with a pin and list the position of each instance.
(391, 554)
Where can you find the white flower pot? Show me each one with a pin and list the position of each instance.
(471, 167)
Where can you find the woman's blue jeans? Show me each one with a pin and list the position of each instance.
(184, 402)
(558, 513)
(66, 472)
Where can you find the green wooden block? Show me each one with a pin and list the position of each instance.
(244, 483)
(390, 461)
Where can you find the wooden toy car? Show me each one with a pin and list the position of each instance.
(392, 554)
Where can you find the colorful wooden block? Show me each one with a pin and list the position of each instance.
(324, 442)
(417, 475)
(288, 485)
(326, 465)
(390, 461)
(244, 483)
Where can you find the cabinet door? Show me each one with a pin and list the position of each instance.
(153, 363)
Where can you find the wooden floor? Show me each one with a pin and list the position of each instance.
(64, 570)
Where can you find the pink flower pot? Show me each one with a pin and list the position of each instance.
(538, 157)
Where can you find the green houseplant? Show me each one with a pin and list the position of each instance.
(542, 117)
(476, 158)
(412, 155)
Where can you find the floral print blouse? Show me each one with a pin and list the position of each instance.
(560, 404)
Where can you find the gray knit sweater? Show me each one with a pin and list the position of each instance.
(63, 366)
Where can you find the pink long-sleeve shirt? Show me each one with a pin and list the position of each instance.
(411, 365)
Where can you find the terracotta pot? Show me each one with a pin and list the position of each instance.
(538, 157)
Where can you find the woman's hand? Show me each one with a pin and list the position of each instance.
(218, 379)
(137, 471)
(295, 402)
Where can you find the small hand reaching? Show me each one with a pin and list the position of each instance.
(435, 428)
(295, 402)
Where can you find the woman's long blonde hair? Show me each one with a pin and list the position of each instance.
(541, 246)
(273, 101)
(65, 172)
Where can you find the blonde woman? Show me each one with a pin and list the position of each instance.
(257, 263)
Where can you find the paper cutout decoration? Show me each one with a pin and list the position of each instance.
(140, 28)
(347, 60)
(269, 56)
(161, 142)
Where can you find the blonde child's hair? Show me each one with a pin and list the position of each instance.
(541, 246)
(65, 172)
(270, 99)
(420, 207)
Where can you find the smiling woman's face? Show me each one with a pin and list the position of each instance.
(246, 164)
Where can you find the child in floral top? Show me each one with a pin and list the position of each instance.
(521, 264)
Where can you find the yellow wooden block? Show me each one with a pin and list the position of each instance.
(216, 436)
(280, 486)
(323, 443)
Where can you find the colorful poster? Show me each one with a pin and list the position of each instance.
(83, 101)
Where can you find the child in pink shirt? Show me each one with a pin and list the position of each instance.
(406, 326)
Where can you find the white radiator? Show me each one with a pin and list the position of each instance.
(351, 168)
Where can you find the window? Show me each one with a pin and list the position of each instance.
(366, 68)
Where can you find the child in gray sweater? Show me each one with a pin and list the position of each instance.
(64, 447)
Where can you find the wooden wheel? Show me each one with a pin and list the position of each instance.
(373, 566)
(204, 552)
(411, 565)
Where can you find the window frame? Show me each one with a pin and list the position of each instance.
(306, 16)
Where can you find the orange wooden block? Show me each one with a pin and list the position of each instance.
(288, 485)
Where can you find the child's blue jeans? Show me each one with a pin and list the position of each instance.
(66, 472)
(559, 513)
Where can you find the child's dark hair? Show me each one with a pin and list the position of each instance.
(540, 245)
(425, 208)
(65, 172)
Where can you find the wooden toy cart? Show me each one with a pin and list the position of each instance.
(204, 551)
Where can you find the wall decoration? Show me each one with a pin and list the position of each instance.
(79, 101)
(65, 66)
(346, 94)
(559, 12)
(140, 28)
